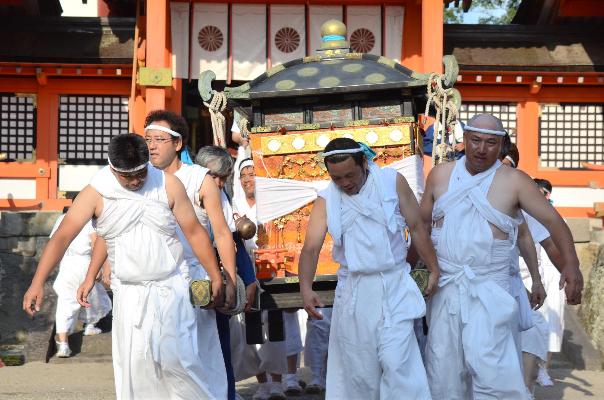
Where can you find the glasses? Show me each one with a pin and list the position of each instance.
(150, 140)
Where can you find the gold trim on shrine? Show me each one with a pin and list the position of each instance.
(392, 135)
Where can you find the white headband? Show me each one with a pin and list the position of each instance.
(163, 129)
(483, 130)
(343, 151)
(246, 163)
(126, 171)
(511, 160)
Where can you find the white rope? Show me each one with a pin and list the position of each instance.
(216, 106)
(446, 116)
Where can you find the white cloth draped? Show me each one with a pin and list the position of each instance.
(155, 352)
(373, 353)
(534, 340)
(278, 197)
(471, 352)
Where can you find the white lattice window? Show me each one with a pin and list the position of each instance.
(17, 126)
(570, 134)
(506, 112)
(86, 125)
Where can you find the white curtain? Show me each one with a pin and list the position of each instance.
(286, 22)
(278, 197)
(365, 22)
(179, 27)
(393, 32)
(249, 40)
(210, 39)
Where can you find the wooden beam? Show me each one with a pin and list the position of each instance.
(432, 35)
(157, 23)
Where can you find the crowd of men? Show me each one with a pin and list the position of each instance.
(157, 219)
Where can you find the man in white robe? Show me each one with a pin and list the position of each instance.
(269, 358)
(138, 209)
(473, 207)
(167, 134)
(72, 271)
(373, 351)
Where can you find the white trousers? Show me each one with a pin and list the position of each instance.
(373, 351)
(293, 337)
(252, 359)
(316, 345)
(69, 310)
(476, 359)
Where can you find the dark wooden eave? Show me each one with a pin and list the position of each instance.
(67, 40)
(572, 48)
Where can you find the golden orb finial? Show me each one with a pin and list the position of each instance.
(333, 27)
(333, 34)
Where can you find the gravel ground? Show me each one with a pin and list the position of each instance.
(94, 381)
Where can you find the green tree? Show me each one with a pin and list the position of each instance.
(496, 12)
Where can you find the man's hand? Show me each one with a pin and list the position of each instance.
(250, 294)
(537, 295)
(84, 291)
(33, 298)
(571, 280)
(432, 284)
(217, 288)
(230, 297)
(311, 301)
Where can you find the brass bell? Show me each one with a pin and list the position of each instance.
(245, 227)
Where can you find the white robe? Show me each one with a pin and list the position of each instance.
(208, 341)
(72, 272)
(155, 351)
(471, 352)
(373, 352)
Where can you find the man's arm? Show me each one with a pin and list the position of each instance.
(81, 211)
(526, 245)
(309, 257)
(553, 253)
(534, 203)
(209, 195)
(195, 234)
(427, 201)
(419, 234)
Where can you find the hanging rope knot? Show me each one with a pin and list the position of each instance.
(216, 106)
(242, 124)
(446, 118)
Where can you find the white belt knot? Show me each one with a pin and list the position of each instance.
(463, 279)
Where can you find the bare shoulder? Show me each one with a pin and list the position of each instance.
(514, 177)
(172, 182)
(441, 172)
